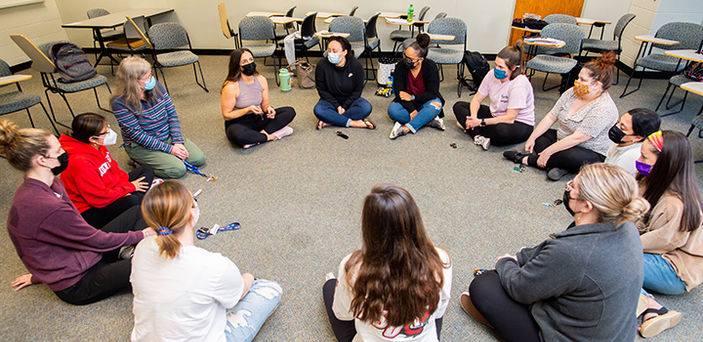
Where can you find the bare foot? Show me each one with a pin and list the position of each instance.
(321, 124)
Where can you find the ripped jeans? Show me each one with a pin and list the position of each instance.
(425, 114)
(246, 318)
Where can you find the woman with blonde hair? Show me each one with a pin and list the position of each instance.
(397, 286)
(583, 283)
(79, 263)
(511, 115)
(150, 127)
(183, 292)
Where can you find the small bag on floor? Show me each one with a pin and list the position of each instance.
(385, 70)
(305, 73)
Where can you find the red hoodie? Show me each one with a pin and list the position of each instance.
(93, 179)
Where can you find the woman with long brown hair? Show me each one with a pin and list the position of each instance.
(78, 262)
(511, 115)
(250, 119)
(397, 286)
(183, 292)
(584, 114)
(149, 123)
(670, 232)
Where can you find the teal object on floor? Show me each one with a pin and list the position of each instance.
(284, 76)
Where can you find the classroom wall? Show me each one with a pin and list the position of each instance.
(39, 22)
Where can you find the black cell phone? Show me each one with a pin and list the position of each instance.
(341, 134)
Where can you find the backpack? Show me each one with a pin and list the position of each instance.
(477, 66)
(71, 63)
(694, 71)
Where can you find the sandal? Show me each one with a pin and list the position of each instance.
(665, 319)
(369, 124)
(320, 124)
(470, 309)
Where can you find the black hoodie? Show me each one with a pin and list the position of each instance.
(340, 86)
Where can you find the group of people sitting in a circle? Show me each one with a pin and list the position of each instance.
(635, 204)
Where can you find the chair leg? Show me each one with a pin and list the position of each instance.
(67, 104)
(617, 71)
(47, 116)
(664, 96)
(624, 91)
(441, 73)
(202, 77)
(97, 99)
(275, 71)
(682, 101)
(51, 108)
(164, 77)
(460, 78)
(30, 117)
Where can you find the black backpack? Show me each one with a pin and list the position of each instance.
(71, 63)
(477, 66)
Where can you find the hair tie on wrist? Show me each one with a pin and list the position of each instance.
(164, 231)
(657, 140)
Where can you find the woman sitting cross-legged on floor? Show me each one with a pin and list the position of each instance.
(250, 119)
(150, 127)
(511, 116)
(671, 236)
(397, 286)
(584, 114)
(97, 186)
(416, 85)
(79, 263)
(185, 293)
(339, 80)
(583, 283)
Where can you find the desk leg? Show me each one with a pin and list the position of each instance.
(103, 49)
(634, 68)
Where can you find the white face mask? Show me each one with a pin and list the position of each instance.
(197, 216)
(110, 138)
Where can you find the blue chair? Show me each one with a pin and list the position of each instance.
(554, 63)
(15, 101)
(560, 18)
(261, 31)
(441, 54)
(172, 48)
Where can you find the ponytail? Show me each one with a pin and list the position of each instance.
(166, 209)
(422, 41)
(601, 68)
(513, 58)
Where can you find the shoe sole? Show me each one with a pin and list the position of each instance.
(656, 325)
(561, 173)
(470, 309)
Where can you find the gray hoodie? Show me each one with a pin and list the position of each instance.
(582, 284)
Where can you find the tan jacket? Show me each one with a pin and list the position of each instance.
(683, 250)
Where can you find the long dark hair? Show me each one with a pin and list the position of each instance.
(235, 70)
(674, 171)
(87, 125)
(399, 270)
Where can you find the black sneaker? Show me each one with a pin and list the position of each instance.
(556, 173)
(514, 156)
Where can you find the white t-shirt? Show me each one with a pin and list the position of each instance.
(624, 156)
(182, 299)
(424, 331)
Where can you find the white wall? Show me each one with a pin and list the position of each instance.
(39, 22)
(488, 22)
(608, 10)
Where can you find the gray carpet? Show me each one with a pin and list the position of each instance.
(299, 202)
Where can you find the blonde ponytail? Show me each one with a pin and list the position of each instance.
(166, 209)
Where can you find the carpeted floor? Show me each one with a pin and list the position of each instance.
(299, 202)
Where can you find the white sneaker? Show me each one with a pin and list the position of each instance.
(126, 252)
(437, 123)
(397, 131)
(283, 132)
(249, 145)
(482, 141)
(478, 139)
(329, 276)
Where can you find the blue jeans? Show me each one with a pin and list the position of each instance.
(660, 276)
(250, 313)
(327, 112)
(425, 114)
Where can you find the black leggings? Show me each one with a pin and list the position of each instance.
(570, 159)
(110, 275)
(501, 134)
(99, 217)
(345, 330)
(511, 320)
(247, 129)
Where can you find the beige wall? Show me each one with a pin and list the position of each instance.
(40, 22)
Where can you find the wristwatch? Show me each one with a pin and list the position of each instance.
(412, 97)
(483, 122)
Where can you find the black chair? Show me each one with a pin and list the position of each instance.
(280, 34)
(307, 34)
(371, 42)
(353, 11)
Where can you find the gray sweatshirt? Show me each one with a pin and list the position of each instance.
(582, 284)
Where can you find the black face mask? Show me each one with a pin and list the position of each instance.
(63, 164)
(249, 69)
(616, 134)
(407, 63)
(567, 197)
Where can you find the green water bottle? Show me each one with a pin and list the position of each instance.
(411, 12)
(284, 77)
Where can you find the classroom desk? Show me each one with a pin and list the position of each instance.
(593, 23)
(533, 44)
(404, 22)
(326, 35)
(696, 88)
(112, 21)
(285, 20)
(689, 55)
(5, 80)
(435, 36)
(264, 14)
(650, 39)
(392, 15)
(325, 15)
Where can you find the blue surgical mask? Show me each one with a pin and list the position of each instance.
(150, 84)
(500, 74)
(334, 58)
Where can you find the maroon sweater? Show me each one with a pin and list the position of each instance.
(51, 238)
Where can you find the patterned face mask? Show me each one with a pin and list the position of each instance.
(580, 88)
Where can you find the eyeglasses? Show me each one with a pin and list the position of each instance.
(106, 132)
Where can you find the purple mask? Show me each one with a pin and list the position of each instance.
(643, 168)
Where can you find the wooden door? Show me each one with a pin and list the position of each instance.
(544, 8)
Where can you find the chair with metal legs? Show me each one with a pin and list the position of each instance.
(47, 69)
(15, 101)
